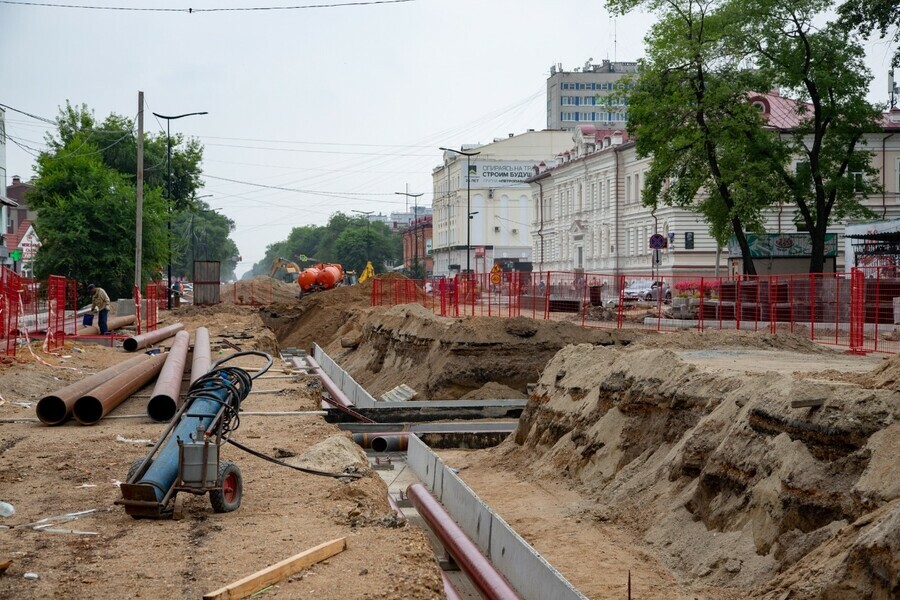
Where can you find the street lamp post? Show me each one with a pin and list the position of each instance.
(169, 120)
(415, 198)
(468, 156)
(368, 221)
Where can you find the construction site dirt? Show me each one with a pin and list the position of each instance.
(677, 457)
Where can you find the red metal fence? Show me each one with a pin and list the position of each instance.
(854, 310)
(56, 312)
(154, 291)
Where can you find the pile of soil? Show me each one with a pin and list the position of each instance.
(446, 358)
(261, 289)
(718, 474)
(494, 391)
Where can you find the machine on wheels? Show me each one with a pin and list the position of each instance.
(186, 458)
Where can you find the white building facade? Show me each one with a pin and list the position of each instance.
(587, 214)
(490, 186)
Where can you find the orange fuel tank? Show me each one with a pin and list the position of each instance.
(329, 275)
(307, 278)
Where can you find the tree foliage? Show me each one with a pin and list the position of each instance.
(713, 152)
(874, 16)
(203, 234)
(85, 198)
(350, 241)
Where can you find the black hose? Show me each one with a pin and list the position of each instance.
(236, 383)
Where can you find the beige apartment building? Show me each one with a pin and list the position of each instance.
(588, 95)
(490, 186)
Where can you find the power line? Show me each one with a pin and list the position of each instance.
(205, 10)
(287, 189)
(28, 114)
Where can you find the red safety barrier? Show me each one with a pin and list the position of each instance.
(56, 312)
(153, 293)
(10, 285)
(828, 308)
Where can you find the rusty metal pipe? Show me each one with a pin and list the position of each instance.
(328, 384)
(56, 408)
(479, 569)
(202, 356)
(449, 589)
(364, 440)
(111, 324)
(90, 408)
(166, 396)
(136, 342)
(396, 442)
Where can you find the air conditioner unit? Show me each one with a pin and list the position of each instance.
(515, 231)
(496, 229)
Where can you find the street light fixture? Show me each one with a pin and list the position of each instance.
(415, 198)
(169, 120)
(468, 156)
(368, 243)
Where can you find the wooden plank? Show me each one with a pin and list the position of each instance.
(273, 574)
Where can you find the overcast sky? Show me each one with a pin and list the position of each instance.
(346, 104)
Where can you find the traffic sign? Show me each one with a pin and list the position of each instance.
(495, 278)
(657, 241)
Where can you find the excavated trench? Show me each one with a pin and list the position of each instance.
(727, 484)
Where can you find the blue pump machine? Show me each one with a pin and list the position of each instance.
(186, 456)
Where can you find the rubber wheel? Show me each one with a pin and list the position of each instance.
(228, 498)
(135, 465)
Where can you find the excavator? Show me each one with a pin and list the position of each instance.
(291, 268)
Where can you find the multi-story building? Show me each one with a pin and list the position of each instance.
(491, 187)
(587, 211)
(588, 95)
(417, 246)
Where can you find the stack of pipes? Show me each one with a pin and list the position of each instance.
(91, 399)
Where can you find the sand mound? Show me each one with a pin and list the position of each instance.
(884, 376)
(719, 474)
(336, 454)
(445, 358)
(704, 340)
(494, 391)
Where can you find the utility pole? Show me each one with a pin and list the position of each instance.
(139, 217)
(415, 224)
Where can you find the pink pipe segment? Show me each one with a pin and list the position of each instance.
(479, 569)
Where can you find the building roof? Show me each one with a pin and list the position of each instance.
(12, 239)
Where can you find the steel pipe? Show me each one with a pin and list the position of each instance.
(111, 324)
(166, 396)
(479, 569)
(396, 442)
(449, 589)
(339, 396)
(56, 408)
(364, 440)
(90, 408)
(202, 356)
(136, 342)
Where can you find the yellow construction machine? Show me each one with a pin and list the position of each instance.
(291, 268)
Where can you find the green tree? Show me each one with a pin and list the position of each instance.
(704, 59)
(688, 110)
(203, 234)
(870, 16)
(350, 241)
(85, 199)
(86, 219)
(822, 160)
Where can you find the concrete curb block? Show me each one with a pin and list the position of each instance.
(532, 576)
(355, 392)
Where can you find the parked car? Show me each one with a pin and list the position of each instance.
(645, 291)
